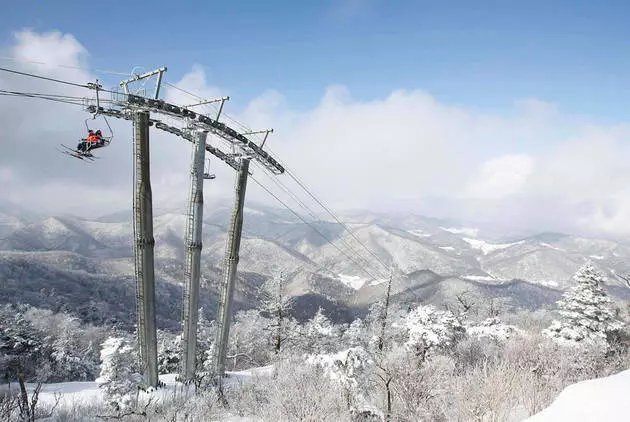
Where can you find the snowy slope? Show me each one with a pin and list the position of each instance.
(407, 253)
(601, 400)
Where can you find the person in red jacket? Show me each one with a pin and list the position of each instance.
(82, 146)
(93, 140)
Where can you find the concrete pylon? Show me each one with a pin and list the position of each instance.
(230, 264)
(143, 249)
(194, 224)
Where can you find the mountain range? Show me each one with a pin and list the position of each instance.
(86, 265)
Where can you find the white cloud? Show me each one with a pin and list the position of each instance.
(501, 176)
(530, 165)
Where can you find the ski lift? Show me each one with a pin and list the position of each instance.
(206, 172)
(87, 145)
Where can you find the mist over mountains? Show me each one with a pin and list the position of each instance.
(85, 266)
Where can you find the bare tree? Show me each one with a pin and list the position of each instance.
(626, 278)
(28, 406)
(381, 338)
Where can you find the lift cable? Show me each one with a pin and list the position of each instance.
(293, 176)
(4, 69)
(303, 186)
(109, 72)
(310, 211)
(25, 95)
(314, 228)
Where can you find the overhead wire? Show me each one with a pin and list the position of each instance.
(32, 75)
(109, 72)
(327, 209)
(300, 184)
(42, 97)
(310, 211)
(313, 228)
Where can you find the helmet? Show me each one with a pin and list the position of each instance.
(90, 131)
(98, 132)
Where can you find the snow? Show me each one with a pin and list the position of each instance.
(253, 211)
(462, 230)
(447, 248)
(598, 257)
(377, 282)
(546, 283)
(486, 247)
(480, 278)
(602, 400)
(88, 392)
(547, 245)
(492, 328)
(352, 281)
(418, 232)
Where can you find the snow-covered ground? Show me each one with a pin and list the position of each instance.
(352, 281)
(486, 247)
(601, 400)
(419, 233)
(463, 230)
(77, 393)
(479, 278)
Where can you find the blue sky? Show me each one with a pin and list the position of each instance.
(483, 54)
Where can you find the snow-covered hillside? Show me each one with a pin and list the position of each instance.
(334, 266)
(601, 400)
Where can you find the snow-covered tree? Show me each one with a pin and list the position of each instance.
(491, 328)
(320, 335)
(275, 304)
(587, 315)
(206, 332)
(428, 329)
(169, 352)
(345, 368)
(248, 345)
(21, 346)
(119, 378)
(355, 334)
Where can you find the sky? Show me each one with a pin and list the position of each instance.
(514, 113)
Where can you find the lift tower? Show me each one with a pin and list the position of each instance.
(143, 249)
(230, 263)
(143, 237)
(193, 240)
(137, 107)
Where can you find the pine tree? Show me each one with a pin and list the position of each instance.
(587, 315)
(169, 352)
(119, 376)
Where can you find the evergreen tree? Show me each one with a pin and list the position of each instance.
(587, 315)
(320, 335)
(119, 378)
(21, 346)
(169, 352)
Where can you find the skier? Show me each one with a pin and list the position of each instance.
(93, 140)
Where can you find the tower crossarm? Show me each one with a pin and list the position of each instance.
(126, 115)
(203, 122)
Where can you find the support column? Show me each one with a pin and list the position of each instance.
(229, 271)
(194, 223)
(143, 250)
